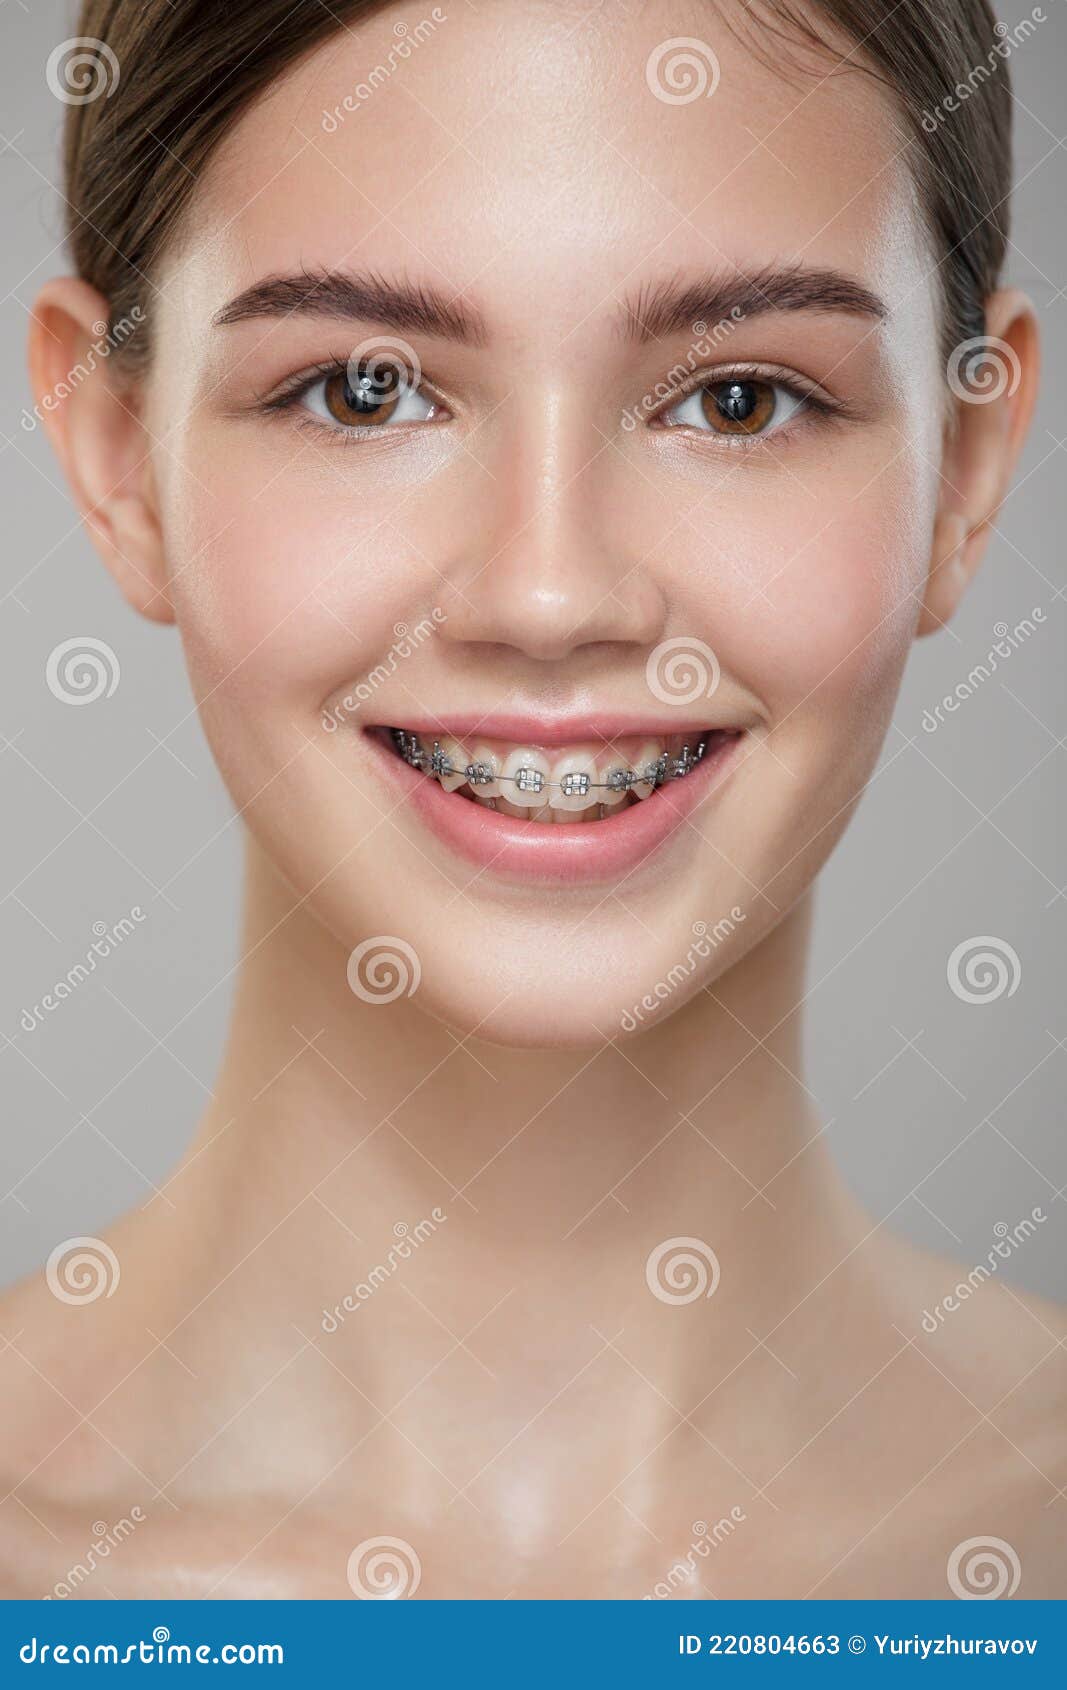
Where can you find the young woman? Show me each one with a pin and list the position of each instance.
(548, 428)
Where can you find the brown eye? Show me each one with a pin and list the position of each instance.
(738, 407)
(359, 397)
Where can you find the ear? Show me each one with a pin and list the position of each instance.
(93, 418)
(993, 387)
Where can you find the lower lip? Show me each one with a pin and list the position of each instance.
(524, 851)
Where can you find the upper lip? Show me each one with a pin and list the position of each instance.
(548, 729)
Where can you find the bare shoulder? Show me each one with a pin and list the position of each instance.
(58, 1359)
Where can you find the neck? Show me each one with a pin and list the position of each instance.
(413, 1202)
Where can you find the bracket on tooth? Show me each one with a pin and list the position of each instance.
(573, 785)
(439, 763)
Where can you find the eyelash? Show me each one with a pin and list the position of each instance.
(288, 398)
(816, 406)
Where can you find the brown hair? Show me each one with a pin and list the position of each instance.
(188, 68)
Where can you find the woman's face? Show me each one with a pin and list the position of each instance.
(533, 485)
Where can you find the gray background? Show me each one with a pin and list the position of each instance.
(946, 1115)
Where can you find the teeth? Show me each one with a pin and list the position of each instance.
(573, 782)
(647, 757)
(453, 754)
(614, 772)
(483, 760)
(527, 774)
(582, 784)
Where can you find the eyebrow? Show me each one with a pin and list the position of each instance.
(670, 307)
(660, 309)
(343, 295)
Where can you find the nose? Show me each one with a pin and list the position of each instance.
(548, 569)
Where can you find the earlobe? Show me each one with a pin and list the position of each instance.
(948, 577)
(92, 415)
(993, 388)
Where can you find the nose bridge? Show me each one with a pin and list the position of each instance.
(553, 574)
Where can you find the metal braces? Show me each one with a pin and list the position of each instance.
(575, 785)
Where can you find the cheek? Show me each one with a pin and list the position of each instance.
(828, 597)
(281, 598)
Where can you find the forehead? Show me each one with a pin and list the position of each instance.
(542, 156)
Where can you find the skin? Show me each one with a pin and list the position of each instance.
(514, 1403)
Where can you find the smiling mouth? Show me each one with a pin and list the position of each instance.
(582, 783)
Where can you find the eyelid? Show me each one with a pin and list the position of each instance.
(294, 387)
(815, 397)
